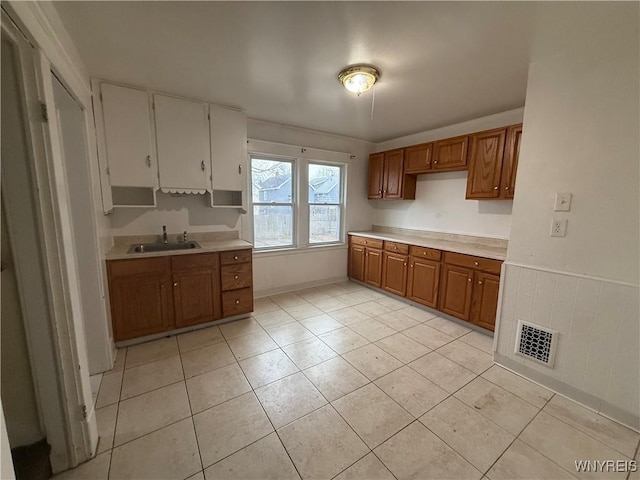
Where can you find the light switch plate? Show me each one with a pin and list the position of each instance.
(562, 202)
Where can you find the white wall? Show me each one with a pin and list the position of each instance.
(285, 271)
(581, 135)
(440, 203)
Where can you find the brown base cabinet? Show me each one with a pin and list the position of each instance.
(455, 297)
(424, 276)
(463, 286)
(470, 288)
(373, 267)
(158, 294)
(365, 260)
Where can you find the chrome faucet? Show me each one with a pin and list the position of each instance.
(164, 234)
(184, 237)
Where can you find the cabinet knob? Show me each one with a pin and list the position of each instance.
(148, 161)
(175, 284)
(202, 165)
(385, 191)
(235, 277)
(469, 280)
(379, 191)
(395, 247)
(495, 188)
(237, 302)
(424, 253)
(411, 265)
(476, 263)
(365, 242)
(235, 257)
(479, 282)
(405, 264)
(240, 169)
(435, 161)
(506, 188)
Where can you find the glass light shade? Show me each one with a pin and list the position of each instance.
(358, 79)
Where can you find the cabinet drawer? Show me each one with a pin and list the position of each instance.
(237, 302)
(424, 252)
(182, 262)
(236, 256)
(367, 242)
(396, 247)
(477, 263)
(138, 266)
(236, 276)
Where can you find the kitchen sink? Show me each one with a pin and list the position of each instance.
(161, 247)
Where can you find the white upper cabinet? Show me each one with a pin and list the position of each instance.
(182, 139)
(228, 148)
(127, 137)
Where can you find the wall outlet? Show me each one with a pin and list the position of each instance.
(562, 202)
(558, 228)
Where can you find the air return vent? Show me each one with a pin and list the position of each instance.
(536, 343)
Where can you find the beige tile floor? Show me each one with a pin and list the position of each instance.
(343, 382)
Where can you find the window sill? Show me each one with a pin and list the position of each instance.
(276, 252)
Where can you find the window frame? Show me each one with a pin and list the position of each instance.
(293, 204)
(341, 202)
(300, 195)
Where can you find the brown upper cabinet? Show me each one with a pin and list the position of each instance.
(418, 158)
(510, 162)
(493, 162)
(450, 154)
(387, 176)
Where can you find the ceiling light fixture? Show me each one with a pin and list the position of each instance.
(359, 78)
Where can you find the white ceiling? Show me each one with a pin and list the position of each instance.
(441, 62)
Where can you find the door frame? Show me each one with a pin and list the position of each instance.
(49, 305)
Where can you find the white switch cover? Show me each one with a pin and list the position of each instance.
(558, 228)
(562, 202)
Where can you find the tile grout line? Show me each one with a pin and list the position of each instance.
(193, 422)
(115, 426)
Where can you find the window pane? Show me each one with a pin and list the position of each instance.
(324, 223)
(271, 181)
(272, 226)
(324, 184)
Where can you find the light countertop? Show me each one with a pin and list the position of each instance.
(208, 242)
(495, 249)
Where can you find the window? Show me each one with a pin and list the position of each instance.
(272, 195)
(325, 203)
(297, 202)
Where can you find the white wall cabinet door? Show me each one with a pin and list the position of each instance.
(128, 141)
(228, 148)
(182, 139)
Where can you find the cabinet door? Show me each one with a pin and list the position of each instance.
(395, 273)
(376, 170)
(418, 158)
(356, 262)
(393, 174)
(228, 148)
(182, 137)
(450, 154)
(140, 305)
(456, 287)
(196, 296)
(373, 267)
(510, 162)
(485, 164)
(485, 300)
(128, 140)
(423, 281)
